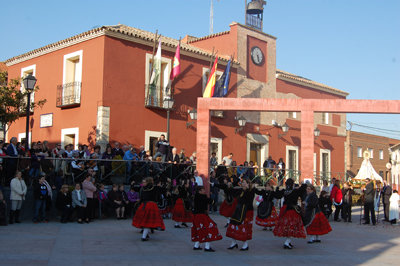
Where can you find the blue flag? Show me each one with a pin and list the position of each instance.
(222, 85)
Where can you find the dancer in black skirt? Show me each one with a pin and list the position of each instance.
(148, 215)
(204, 230)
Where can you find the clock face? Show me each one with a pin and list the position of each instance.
(257, 56)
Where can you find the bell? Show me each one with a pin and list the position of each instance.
(256, 7)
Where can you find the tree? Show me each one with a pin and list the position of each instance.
(13, 100)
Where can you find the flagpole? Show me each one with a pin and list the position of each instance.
(152, 66)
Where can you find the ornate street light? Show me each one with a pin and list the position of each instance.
(193, 116)
(242, 122)
(285, 129)
(168, 103)
(29, 84)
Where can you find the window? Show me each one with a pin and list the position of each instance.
(380, 154)
(156, 93)
(69, 92)
(206, 75)
(325, 163)
(292, 161)
(359, 152)
(293, 115)
(25, 72)
(325, 118)
(371, 153)
(70, 136)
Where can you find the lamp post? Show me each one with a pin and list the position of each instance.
(29, 84)
(242, 122)
(168, 103)
(193, 116)
(316, 132)
(285, 129)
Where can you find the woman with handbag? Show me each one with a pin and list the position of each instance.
(290, 223)
(240, 226)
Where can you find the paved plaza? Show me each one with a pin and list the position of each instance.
(116, 242)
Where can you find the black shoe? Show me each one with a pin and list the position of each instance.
(349, 221)
(337, 220)
(185, 225)
(290, 244)
(317, 241)
(234, 246)
(366, 223)
(177, 226)
(199, 248)
(244, 249)
(80, 222)
(209, 250)
(311, 241)
(287, 246)
(145, 239)
(152, 230)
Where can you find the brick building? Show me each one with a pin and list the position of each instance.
(96, 86)
(378, 147)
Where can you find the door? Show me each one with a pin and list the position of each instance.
(292, 164)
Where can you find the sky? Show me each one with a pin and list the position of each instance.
(352, 45)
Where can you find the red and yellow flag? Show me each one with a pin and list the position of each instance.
(209, 91)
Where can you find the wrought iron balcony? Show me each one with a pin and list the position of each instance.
(154, 97)
(69, 94)
(254, 22)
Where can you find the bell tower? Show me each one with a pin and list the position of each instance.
(254, 13)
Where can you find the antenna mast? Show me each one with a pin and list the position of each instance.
(211, 18)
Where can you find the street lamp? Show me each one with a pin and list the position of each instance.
(316, 132)
(242, 122)
(168, 103)
(29, 84)
(285, 129)
(193, 116)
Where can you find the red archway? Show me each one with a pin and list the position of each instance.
(307, 107)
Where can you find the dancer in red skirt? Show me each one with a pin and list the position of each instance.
(290, 223)
(314, 220)
(266, 213)
(148, 215)
(241, 223)
(204, 230)
(182, 209)
(228, 206)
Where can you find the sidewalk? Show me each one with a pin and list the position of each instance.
(116, 242)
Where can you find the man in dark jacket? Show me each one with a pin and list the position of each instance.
(369, 197)
(386, 193)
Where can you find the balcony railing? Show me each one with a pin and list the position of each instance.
(254, 22)
(154, 97)
(69, 94)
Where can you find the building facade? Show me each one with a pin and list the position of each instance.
(96, 86)
(378, 148)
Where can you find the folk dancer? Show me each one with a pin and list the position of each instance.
(204, 230)
(290, 224)
(148, 216)
(313, 218)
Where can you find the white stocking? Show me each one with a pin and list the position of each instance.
(233, 242)
(196, 244)
(145, 232)
(207, 245)
(245, 244)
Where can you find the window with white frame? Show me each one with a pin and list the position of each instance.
(157, 92)
(325, 163)
(371, 153)
(380, 154)
(69, 92)
(29, 70)
(359, 152)
(293, 115)
(325, 118)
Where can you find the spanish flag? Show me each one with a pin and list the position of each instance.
(209, 91)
